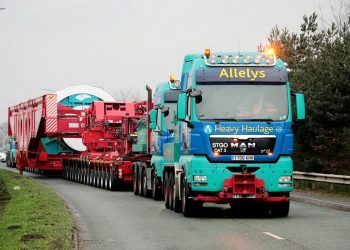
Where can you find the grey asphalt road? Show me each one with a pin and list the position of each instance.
(120, 220)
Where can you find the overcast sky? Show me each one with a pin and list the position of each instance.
(115, 44)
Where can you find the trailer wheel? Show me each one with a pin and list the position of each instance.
(101, 180)
(88, 176)
(134, 179)
(93, 177)
(69, 170)
(280, 209)
(114, 183)
(166, 189)
(106, 179)
(156, 193)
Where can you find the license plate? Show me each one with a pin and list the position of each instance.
(243, 157)
(247, 196)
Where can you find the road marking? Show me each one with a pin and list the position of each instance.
(274, 236)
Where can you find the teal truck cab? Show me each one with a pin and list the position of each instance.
(234, 132)
(149, 177)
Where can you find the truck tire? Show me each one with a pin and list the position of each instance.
(176, 204)
(280, 209)
(171, 190)
(135, 180)
(165, 188)
(188, 205)
(139, 182)
(156, 192)
(144, 184)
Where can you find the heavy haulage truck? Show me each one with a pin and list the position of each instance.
(223, 134)
(230, 138)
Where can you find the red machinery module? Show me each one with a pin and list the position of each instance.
(32, 121)
(109, 134)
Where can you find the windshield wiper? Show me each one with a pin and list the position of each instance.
(268, 120)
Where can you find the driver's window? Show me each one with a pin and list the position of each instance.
(169, 118)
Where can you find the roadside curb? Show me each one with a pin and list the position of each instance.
(321, 203)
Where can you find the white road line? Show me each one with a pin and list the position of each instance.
(274, 236)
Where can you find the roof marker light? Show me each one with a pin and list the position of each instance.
(246, 59)
(235, 59)
(257, 59)
(224, 59)
(172, 78)
(213, 58)
(207, 53)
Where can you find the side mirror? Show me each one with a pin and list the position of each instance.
(300, 106)
(182, 106)
(153, 116)
(165, 111)
(196, 93)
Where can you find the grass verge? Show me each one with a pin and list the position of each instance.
(338, 190)
(32, 216)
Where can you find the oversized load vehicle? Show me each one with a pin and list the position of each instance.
(48, 129)
(109, 134)
(233, 139)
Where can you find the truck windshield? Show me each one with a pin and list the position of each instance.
(243, 101)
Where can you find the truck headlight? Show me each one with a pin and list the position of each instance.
(200, 178)
(285, 178)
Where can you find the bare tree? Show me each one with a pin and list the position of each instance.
(128, 95)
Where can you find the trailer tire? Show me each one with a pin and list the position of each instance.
(106, 179)
(114, 183)
(280, 209)
(156, 192)
(109, 181)
(166, 189)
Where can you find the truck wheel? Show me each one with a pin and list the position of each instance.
(139, 182)
(144, 184)
(166, 189)
(155, 190)
(280, 209)
(134, 180)
(187, 204)
(176, 201)
(171, 191)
